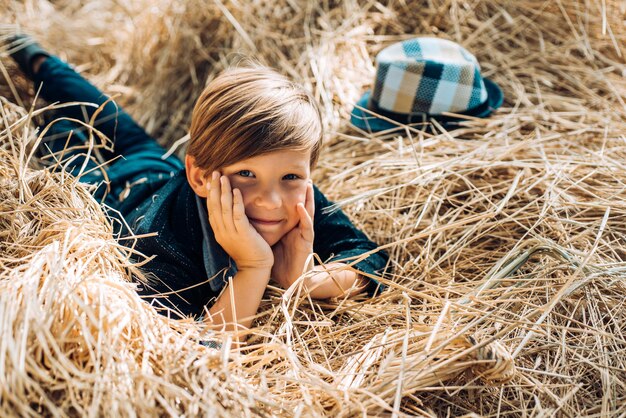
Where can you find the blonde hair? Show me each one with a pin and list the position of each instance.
(246, 112)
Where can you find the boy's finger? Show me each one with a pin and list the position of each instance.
(239, 212)
(226, 200)
(213, 202)
(306, 223)
(309, 203)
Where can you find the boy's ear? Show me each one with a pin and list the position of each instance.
(196, 176)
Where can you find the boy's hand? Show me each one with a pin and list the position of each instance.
(292, 251)
(232, 229)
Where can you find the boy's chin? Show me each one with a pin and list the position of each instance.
(271, 239)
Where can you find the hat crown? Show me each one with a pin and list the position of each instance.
(428, 49)
(429, 76)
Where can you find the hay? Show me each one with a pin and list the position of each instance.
(506, 236)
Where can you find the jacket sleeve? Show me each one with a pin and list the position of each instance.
(166, 289)
(336, 238)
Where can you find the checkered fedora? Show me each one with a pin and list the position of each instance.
(421, 78)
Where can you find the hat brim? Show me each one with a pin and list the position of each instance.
(495, 97)
(366, 120)
(370, 122)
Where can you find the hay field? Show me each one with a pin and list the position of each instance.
(507, 237)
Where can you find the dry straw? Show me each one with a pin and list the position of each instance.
(508, 257)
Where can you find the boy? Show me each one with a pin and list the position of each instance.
(241, 209)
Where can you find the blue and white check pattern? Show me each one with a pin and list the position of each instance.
(427, 75)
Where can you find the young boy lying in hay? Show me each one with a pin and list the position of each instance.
(240, 210)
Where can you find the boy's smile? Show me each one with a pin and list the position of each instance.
(264, 222)
(272, 185)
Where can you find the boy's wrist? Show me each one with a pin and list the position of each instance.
(259, 264)
(259, 270)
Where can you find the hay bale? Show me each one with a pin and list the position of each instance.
(509, 230)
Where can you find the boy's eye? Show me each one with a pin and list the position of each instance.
(291, 177)
(245, 173)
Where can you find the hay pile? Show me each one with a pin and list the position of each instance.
(507, 236)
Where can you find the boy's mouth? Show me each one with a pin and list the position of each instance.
(265, 221)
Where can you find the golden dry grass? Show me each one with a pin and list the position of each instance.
(507, 237)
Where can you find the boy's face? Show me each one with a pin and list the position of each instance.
(271, 186)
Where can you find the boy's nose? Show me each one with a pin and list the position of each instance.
(268, 199)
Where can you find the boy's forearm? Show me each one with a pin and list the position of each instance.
(240, 301)
(332, 280)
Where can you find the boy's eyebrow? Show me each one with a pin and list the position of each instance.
(296, 167)
(287, 166)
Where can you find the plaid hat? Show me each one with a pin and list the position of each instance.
(421, 78)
